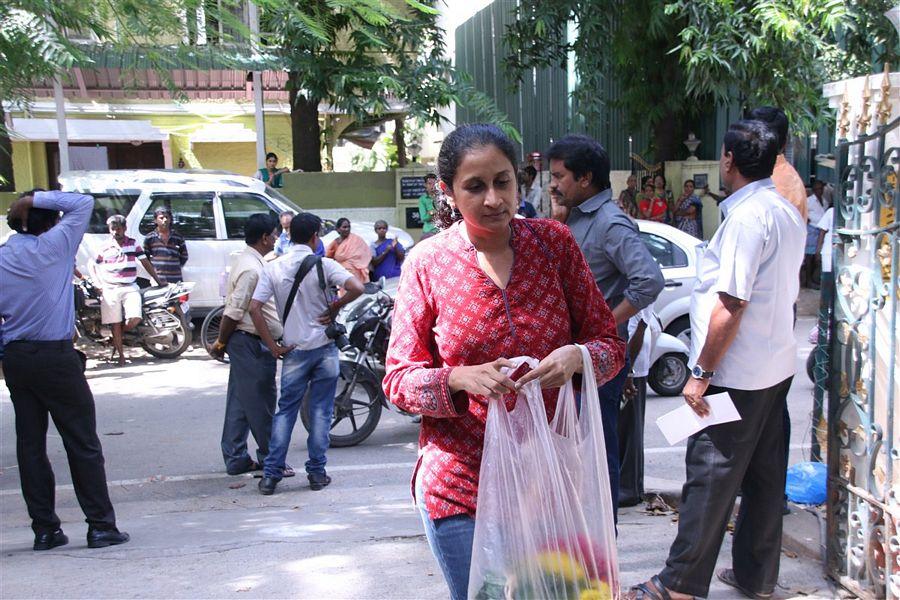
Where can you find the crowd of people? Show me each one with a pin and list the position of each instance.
(482, 286)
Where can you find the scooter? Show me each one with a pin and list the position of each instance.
(163, 332)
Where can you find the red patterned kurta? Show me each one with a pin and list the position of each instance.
(450, 313)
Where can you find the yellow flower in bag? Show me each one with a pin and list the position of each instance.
(560, 564)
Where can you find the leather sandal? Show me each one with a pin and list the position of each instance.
(643, 591)
(727, 577)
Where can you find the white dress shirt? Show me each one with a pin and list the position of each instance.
(641, 366)
(302, 328)
(826, 224)
(755, 256)
(815, 209)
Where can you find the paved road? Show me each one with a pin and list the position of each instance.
(199, 533)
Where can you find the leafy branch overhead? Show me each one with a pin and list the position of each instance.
(670, 59)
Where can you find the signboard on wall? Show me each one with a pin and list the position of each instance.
(411, 188)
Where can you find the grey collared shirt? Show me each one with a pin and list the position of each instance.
(622, 265)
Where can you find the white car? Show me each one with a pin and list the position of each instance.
(209, 209)
(678, 255)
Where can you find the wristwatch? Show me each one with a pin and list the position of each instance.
(698, 373)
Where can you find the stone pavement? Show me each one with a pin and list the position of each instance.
(215, 537)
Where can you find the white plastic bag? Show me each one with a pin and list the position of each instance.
(544, 522)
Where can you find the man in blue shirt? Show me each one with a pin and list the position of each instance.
(283, 243)
(43, 372)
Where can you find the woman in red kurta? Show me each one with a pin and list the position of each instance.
(488, 288)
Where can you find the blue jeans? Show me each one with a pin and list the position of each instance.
(450, 540)
(315, 371)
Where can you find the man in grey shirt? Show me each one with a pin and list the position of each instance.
(623, 268)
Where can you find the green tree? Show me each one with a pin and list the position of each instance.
(362, 57)
(675, 58)
(780, 51)
(35, 41)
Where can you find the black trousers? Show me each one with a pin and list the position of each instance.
(631, 446)
(46, 379)
(746, 455)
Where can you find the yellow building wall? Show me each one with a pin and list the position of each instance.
(30, 162)
(30, 165)
(237, 157)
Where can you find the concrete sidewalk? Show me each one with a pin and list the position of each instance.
(215, 537)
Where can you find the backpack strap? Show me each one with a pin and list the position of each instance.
(305, 267)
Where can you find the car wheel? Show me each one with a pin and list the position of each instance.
(669, 374)
(681, 328)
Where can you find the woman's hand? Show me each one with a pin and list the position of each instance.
(556, 369)
(483, 380)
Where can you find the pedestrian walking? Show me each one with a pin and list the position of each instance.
(487, 287)
(250, 399)
(742, 343)
(166, 248)
(300, 284)
(43, 372)
(623, 268)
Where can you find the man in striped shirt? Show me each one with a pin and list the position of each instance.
(116, 268)
(165, 248)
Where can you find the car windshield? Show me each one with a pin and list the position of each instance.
(274, 193)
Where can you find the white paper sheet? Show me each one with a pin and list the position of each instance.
(683, 422)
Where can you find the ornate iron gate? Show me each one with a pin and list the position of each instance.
(858, 342)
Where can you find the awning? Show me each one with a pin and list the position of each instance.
(225, 132)
(86, 130)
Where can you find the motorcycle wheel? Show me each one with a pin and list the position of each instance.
(669, 374)
(356, 412)
(177, 342)
(811, 365)
(209, 331)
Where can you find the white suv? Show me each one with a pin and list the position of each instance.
(209, 209)
(678, 256)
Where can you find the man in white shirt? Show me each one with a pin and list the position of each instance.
(742, 344)
(815, 205)
(300, 282)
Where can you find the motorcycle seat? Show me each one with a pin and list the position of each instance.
(151, 293)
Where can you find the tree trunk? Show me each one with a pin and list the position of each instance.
(400, 142)
(7, 179)
(306, 135)
(667, 138)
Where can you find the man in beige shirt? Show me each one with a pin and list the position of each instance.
(787, 181)
(250, 400)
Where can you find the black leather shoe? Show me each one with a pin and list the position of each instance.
(53, 539)
(317, 481)
(267, 486)
(101, 538)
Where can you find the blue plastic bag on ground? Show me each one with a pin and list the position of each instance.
(806, 483)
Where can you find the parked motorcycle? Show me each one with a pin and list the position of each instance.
(359, 398)
(668, 366)
(163, 332)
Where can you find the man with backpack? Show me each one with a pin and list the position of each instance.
(301, 284)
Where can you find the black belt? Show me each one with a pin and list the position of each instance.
(247, 333)
(46, 344)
